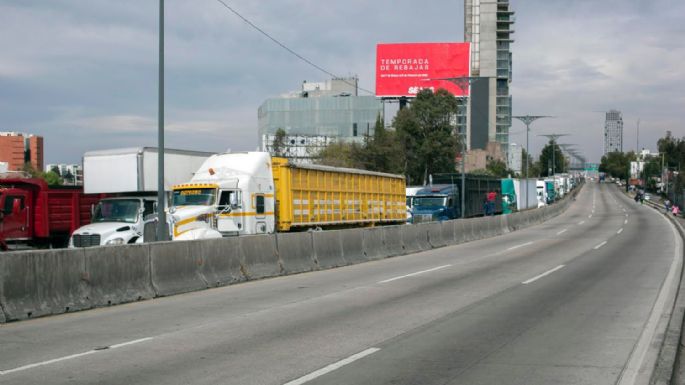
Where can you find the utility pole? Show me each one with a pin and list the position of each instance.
(162, 234)
(527, 120)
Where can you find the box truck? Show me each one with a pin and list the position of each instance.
(129, 176)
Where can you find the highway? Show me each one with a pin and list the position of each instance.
(575, 300)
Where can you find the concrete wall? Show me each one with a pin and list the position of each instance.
(44, 282)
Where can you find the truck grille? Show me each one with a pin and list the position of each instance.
(420, 218)
(85, 240)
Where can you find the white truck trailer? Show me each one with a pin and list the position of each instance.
(130, 176)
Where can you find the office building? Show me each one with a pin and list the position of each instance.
(488, 26)
(16, 149)
(317, 115)
(613, 132)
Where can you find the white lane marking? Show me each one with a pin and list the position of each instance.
(130, 343)
(581, 222)
(600, 245)
(562, 231)
(70, 357)
(625, 222)
(548, 272)
(619, 230)
(413, 274)
(521, 245)
(589, 216)
(332, 367)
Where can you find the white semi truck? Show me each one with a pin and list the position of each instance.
(253, 193)
(129, 177)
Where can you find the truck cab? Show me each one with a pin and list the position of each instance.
(436, 203)
(229, 195)
(14, 215)
(116, 221)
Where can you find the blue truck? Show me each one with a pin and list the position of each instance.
(441, 202)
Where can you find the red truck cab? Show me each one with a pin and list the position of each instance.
(38, 215)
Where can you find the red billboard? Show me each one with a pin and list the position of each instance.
(404, 69)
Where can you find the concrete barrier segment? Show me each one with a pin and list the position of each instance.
(296, 252)
(435, 237)
(374, 247)
(222, 261)
(328, 248)
(43, 282)
(459, 232)
(353, 246)
(448, 232)
(176, 267)
(392, 238)
(259, 256)
(118, 274)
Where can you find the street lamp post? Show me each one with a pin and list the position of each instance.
(161, 214)
(527, 120)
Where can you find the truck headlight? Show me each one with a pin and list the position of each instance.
(115, 241)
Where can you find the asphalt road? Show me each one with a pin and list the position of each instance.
(575, 300)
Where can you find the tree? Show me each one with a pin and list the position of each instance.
(383, 151)
(52, 178)
(617, 164)
(278, 144)
(498, 168)
(55, 169)
(427, 134)
(342, 154)
(551, 153)
(533, 167)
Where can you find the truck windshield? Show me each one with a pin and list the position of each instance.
(430, 201)
(194, 197)
(117, 210)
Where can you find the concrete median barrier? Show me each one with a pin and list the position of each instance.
(38, 283)
(176, 267)
(504, 224)
(415, 238)
(374, 247)
(118, 274)
(328, 248)
(435, 237)
(459, 232)
(448, 232)
(222, 261)
(259, 256)
(296, 252)
(392, 237)
(353, 245)
(478, 227)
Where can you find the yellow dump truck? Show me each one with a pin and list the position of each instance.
(253, 193)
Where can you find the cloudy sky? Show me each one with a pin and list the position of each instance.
(83, 74)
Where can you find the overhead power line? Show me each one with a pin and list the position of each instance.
(285, 47)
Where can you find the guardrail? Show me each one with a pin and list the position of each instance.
(43, 282)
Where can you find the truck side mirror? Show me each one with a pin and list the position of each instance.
(233, 200)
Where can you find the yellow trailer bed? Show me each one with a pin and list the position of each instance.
(322, 196)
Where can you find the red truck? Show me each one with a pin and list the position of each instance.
(37, 215)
